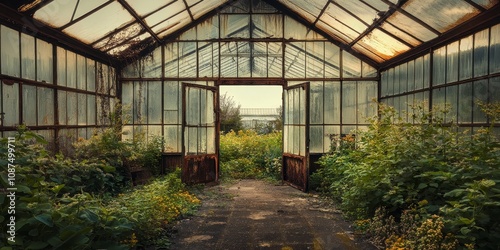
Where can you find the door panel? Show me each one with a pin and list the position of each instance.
(296, 136)
(199, 134)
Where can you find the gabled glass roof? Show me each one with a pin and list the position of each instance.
(378, 29)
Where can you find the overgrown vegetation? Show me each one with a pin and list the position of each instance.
(86, 201)
(420, 186)
(247, 154)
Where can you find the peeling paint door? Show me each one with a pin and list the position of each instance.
(296, 135)
(199, 134)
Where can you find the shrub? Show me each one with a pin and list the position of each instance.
(398, 165)
(246, 154)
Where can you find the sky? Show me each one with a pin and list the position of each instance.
(254, 96)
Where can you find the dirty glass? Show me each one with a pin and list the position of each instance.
(71, 108)
(332, 102)
(29, 105)
(411, 75)
(237, 7)
(70, 69)
(480, 96)
(152, 63)
(316, 103)
(140, 104)
(442, 15)
(403, 78)
(171, 102)
(439, 100)
(274, 59)
(82, 109)
(383, 83)
(81, 72)
(295, 60)
(494, 90)
(202, 7)
(329, 133)
(397, 32)
(414, 28)
(360, 10)
(267, 26)
(91, 109)
(427, 70)
(390, 81)
(452, 62)
(346, 20)
(495, 49)
(351, 65)
(349, 103)
(103, 78)
(236, 26)
(171, 60)
(419, 73)
(187, 59)
(154, 102)
(60, 12)
(9, 46)
(332, 60)
(193, 106)
(337, 28)
(61, 66)
(316, 139)
(367, 70)
(452, 99)
(61, 102)
(309, 10)
(481, 53)
(208, 56)
(367, 94)
(465, 59)
(127, 99)
(172, 140)
(244, 64)
(296, 30)
(465, 103)
(383, 44)
(315, 52)
(27, 57)
(439, 66)
(228, 59)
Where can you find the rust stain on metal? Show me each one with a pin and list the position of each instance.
(295, 171)
(199, 169)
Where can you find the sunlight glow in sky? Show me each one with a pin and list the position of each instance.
(254, 96)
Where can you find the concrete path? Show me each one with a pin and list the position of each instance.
(252, 214)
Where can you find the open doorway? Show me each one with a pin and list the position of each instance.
(251, 132)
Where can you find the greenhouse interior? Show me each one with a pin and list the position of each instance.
(69, 66)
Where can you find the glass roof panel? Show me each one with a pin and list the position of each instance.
(308, 9)
(166, 13)
(442, 15)
(334, 13)
(142, 7)
(398, 33)
(486, 3)
(337, 28)
(119, 37)
(337, 33)
(205, 6)
(367, 52)
(85, 7)
(172, 24)
(100, 23)
(377, 4)
(382, 44)
(405, 23)
(362, 11)
(56, 13)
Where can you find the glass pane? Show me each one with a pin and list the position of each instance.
(316, 139)
(82, 109)
(330, 132)
(316, 103)
(70, 69)
(383, 83)
(480, 96)
(244, 65)
(385, 46)
(91, 109)
(210, 109)
(367, 70)
(211, 140)
(349, 102)
(202, 140)
(208, 59)
(351, 65)
(390, 81)
(465, 103)
(296, 106)
(71, 108)
(142, 8)
(419, 73)
(192, 142)
(452, 100)
(275, 59)
(411, 75)
(171, 60)
(495, 49)
(171, 102)
(265, 26)
(405, 23)
(302, 106)
(332, 102)
(439, 99)
(154, 103)
(315, 52)
(29, 105)
(140, 104)
(208, 29)
(99, 23)
(61, 66)
(309, 10)
(235, 26)
(367, 94)
(9, 46)
(397, 32)
(127, 101)
(61, 101)
(27, 56)
(465, 68)
(296, 30)
(45, 106)
(152, 64)
(81, 76)
(332, 60)
(228, 59)
(296, 140)
(172, 138)
(452, 62)
(439, 66)
(427, 70)
(295, 58)
(302, 140)
(442, 15)
(481, 53)
(494, 90)
(403, 78)
(193, 106)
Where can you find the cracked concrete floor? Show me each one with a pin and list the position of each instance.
(253, 214)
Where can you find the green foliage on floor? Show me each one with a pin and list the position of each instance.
(247, 154)
(442, 176)
(83, 202)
